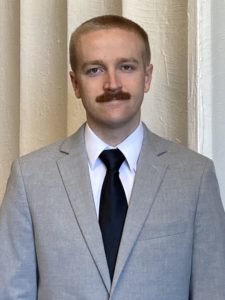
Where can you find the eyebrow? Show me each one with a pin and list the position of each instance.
(98, 62)
(92, 63)
(128, 60)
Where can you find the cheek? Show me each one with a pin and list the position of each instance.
(84, 92)
(90, 89)
(138, 87)
(88, 97)
(137, 83)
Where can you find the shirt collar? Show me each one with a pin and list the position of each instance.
(130, 147)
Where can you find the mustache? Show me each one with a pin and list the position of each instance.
(113, 95)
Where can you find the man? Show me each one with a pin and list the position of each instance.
(57, 231)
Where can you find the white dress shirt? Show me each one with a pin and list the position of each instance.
(130, 148)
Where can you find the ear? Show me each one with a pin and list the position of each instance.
(148, 77)
(75, 84)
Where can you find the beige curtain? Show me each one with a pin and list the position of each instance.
(37, 105)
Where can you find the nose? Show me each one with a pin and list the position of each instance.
(112, 81)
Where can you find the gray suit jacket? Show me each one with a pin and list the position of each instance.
(173, 244)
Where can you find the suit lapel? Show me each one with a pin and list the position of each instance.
(73, 168)
(149, 176)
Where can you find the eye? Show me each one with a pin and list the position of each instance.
(128, 68)
(94, 71)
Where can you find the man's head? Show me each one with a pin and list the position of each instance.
(111, 71)
(108, 22)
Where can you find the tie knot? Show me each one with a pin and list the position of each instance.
(112, 159)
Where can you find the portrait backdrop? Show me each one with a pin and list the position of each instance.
(186, 100)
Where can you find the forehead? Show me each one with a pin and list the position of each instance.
(108, 43)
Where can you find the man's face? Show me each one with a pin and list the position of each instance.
(111, 78)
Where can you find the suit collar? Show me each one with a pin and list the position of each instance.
(157, 145)
(74, 143)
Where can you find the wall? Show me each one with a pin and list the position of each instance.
(9, 87)
(218, 90)
(206, 89)
(165, 108)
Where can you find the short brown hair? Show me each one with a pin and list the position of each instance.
(107, 22)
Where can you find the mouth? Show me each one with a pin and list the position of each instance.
(112, 96)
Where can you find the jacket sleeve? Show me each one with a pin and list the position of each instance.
(18, 271)
(208, 262)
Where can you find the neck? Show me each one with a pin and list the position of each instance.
(113, 136)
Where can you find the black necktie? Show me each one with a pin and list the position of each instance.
(113, 206)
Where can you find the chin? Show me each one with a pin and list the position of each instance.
(120, 124)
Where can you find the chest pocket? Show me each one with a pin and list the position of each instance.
(153, 231)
